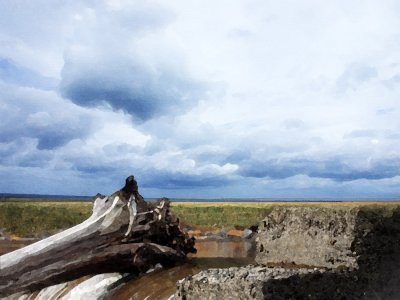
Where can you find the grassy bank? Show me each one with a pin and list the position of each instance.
(40, 218)
(246, 214)
(220, 215)
(36, 218)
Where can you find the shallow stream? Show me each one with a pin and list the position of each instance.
(161, 284)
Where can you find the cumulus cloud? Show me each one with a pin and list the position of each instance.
(40, 115)
(127, 86)
(275, 101)
(128, 63)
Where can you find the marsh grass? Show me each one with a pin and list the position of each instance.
(245, 214)
(37, 219)
(41, 218)
(220, 216)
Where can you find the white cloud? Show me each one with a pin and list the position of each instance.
(264, 98)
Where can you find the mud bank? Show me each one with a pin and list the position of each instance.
(312, 253)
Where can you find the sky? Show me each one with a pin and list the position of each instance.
(201, 99)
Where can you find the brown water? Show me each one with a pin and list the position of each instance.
(161, 284)
(231, 247)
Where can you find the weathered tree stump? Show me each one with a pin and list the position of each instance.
(124, 234)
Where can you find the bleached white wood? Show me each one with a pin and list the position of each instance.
(95, 223)
(93, 288)
(123, 234)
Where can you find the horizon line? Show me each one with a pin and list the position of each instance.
(222, 199)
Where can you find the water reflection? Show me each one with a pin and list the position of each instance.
(233, 247)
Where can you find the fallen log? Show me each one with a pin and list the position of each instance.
(123, 234)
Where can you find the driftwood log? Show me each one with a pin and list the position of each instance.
(124, 234)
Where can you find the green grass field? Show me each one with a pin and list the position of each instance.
(220, 216)
(41, 218)
(246, 214)
(38, 219)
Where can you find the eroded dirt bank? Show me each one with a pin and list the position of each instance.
(313, 253)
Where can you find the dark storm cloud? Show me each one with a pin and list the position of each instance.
(134, 89)
(58, 135)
